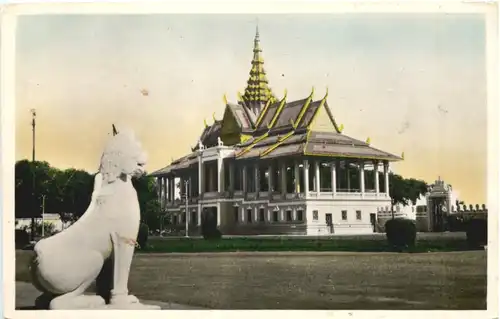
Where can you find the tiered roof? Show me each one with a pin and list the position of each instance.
(268, 128)
(285, 129)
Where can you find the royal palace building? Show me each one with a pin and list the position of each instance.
(274, 166)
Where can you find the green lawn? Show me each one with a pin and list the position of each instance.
(368, 243)
(308, 280)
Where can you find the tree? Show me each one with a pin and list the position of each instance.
(149, 204)
(32, 184)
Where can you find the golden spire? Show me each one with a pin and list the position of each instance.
(403, 155)
(257, 92)
(368, 141)
(224, 98)
(213, 117)
(341, 127)
(205, 122)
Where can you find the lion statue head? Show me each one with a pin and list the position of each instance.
(123, 156)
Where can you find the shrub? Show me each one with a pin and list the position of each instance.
(142, 236)
(22, 238)
(401, 233)
(477, 232)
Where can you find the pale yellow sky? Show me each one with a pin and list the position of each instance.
(412, 83)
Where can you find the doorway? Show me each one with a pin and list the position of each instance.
(373, 220)
(209, 217)
(329, 223)
(438, 214)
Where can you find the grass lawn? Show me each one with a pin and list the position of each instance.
(306, 280)
(426, 242)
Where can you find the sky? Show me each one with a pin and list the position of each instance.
(413, 83)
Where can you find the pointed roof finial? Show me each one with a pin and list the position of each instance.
(257, 92)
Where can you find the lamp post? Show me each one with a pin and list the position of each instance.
(33, 126)
(43, 216)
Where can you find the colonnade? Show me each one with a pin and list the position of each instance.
(272, 177)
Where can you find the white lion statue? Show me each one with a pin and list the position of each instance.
(100, 245)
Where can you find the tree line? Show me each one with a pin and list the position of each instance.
(41, 187)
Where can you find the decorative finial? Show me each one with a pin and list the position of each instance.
(205, 122)
(368, 140)
(213, 117)
(341, 128)
(326, 94)
(240, 97)
(312, 93)
(225, 98)
(403, 155)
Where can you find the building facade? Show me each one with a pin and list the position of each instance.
(273, 166)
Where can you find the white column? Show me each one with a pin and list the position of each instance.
(201, 179)
(306, 177)
(386, 177)
(159, 181)
(377, 182)
(333, 169)
(165, 190)
(244, 177)
(283, 178)
(220, 175)
(362, 177)
(316, 177)
(296, 174)
(181, 187)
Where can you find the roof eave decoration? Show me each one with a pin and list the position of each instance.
(312, 121)
(278, 111)
(263, 113)
(249, 147)
(280, 141)
(305, 107)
